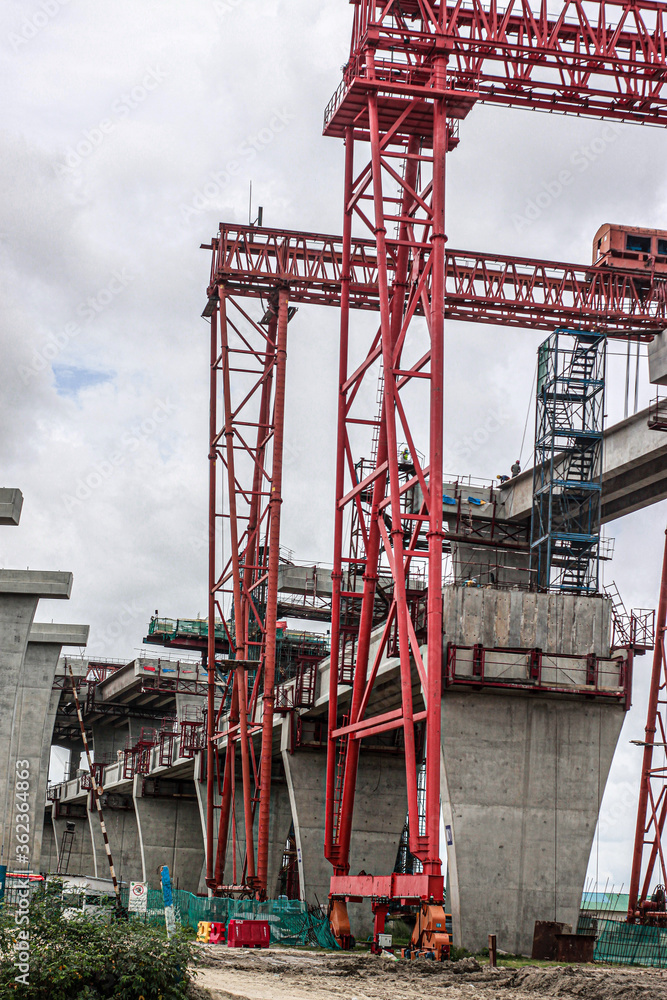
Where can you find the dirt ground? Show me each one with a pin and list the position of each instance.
(290, 974)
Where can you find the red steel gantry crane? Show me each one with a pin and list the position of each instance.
(415, 68)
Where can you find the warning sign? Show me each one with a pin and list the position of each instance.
(138, 897)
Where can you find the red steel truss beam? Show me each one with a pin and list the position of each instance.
(594, 58)
(649, 855)
(479, 287)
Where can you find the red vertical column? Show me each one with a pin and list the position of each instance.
(212, 577)
(240, 647)
(436, 434)
(644, 821)
(275, 504)
(337, 574)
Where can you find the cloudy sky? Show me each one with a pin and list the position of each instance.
(118, 123)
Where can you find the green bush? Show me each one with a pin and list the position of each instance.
(82, 959)
(456, 954)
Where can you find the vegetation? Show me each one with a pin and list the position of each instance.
(85, 959)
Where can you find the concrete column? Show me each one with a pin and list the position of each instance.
(170, 831)
(379, 817)
(280, 820)
(107, 739)
(522, 782)
(200, 792)
(19, 594)
(35, 711)
(49, 857)
(120, 820)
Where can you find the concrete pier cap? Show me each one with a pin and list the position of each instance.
(59, 635)
(11, 504)
(36, 583)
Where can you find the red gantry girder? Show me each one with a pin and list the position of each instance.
(479, 287)
(592, 58)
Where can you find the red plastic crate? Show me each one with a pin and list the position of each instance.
(248, 934)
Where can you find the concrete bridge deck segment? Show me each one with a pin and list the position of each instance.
(634, 472)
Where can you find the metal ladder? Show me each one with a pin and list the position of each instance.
(66, 849)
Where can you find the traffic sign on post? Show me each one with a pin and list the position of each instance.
(138, 897)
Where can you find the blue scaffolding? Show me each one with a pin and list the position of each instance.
(567, 472)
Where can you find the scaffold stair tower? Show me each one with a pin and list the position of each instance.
(567, 472)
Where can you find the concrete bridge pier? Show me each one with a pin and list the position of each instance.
(169, 829)
(379, 818)
(120, 820)
(35, 710)
(528, 738)
(81, 861)
(20, 591)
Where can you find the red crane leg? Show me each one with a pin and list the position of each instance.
(337, 575)
(249, 365)
(649, 823)
(210, 717)
(432, 863)
(405, 266)
(275, 504)
(240, 646)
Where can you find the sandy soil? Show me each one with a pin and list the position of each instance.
(285, 974)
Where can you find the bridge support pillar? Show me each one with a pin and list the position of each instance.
(379, 818)
(169, 830)
(522, 782)
(120, 820)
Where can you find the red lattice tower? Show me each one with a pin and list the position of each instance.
(415, 68)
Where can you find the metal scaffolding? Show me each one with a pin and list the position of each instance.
(567, 473)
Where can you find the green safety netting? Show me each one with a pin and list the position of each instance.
(290, 921)
(631, 944)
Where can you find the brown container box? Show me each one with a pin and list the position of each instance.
(575, 947)
(545, 944)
